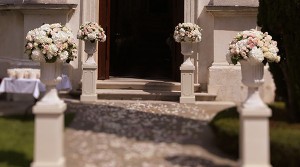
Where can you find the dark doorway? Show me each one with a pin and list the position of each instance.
(141, 42)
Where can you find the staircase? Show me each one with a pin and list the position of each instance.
(141, 89)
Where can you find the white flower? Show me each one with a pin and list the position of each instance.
(53, 49)
(253, 46)
(187, 32)
(51, 41)
(60, 37)
(91, 31)
(256, 55)
(37, 55)
(92, 36)
(63, 55)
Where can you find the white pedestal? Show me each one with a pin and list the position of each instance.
(48, 137)
(254, 137)
(254, 120)
(187, 82)
(89, 83)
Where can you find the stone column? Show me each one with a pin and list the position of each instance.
(90, 13)
(190, 15)
(187, 74)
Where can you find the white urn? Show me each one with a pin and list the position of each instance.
(51, 76)
(90, 48)
(252, 77)
(187, 48)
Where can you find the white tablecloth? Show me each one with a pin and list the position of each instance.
(28, 86)
(31, 86)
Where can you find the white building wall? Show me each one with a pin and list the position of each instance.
(224, 80)
(205, 49)
(18, 21)
(213, 72)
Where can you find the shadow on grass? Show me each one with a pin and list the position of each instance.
(13, 159)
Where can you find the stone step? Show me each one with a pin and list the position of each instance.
(138, 85)
(126, 94)
(141, 85)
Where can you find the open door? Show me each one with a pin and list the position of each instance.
(104, 47)
(140, 40)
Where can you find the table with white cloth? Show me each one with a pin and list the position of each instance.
(30, 86)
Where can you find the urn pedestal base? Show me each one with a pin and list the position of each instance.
(254, 120)
(89, 76)
(187, 69)
(48, 136)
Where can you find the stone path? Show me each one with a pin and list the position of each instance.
(141, 134)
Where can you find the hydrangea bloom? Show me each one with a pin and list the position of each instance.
(187, 32)
(91, 31)
(253, 46)
(50, 43)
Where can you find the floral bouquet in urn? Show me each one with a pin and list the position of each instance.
(50, 43)
(91, 31)
(253, 46)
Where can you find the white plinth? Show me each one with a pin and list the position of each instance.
(254, 137)
(187, 82)
(49, 132)
(89, 78)
(254, 120)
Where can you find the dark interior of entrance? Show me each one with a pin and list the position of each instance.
(142, 44)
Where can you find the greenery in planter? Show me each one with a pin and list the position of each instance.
(284, 137)
(281, 19)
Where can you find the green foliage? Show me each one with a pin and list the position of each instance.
(281, 19)
(226, 127)
(285, 146)
(284, 137)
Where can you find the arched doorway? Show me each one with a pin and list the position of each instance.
(139, 39)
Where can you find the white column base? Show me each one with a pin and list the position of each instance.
(89, 78)
(254, 137)
(187, 100)
(187, 82)
(88, 98)
(255, 166)
(60, 163)
(49, 134)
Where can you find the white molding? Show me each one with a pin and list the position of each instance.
(40, 8)
(229, 11)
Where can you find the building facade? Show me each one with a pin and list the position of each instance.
(140, 42)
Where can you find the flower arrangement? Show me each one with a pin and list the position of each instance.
(187, 32)
(50, 43)
(91, 31)
(253, 46)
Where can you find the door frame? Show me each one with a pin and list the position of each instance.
(104, 48)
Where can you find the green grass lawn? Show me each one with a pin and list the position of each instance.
(16, 139)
